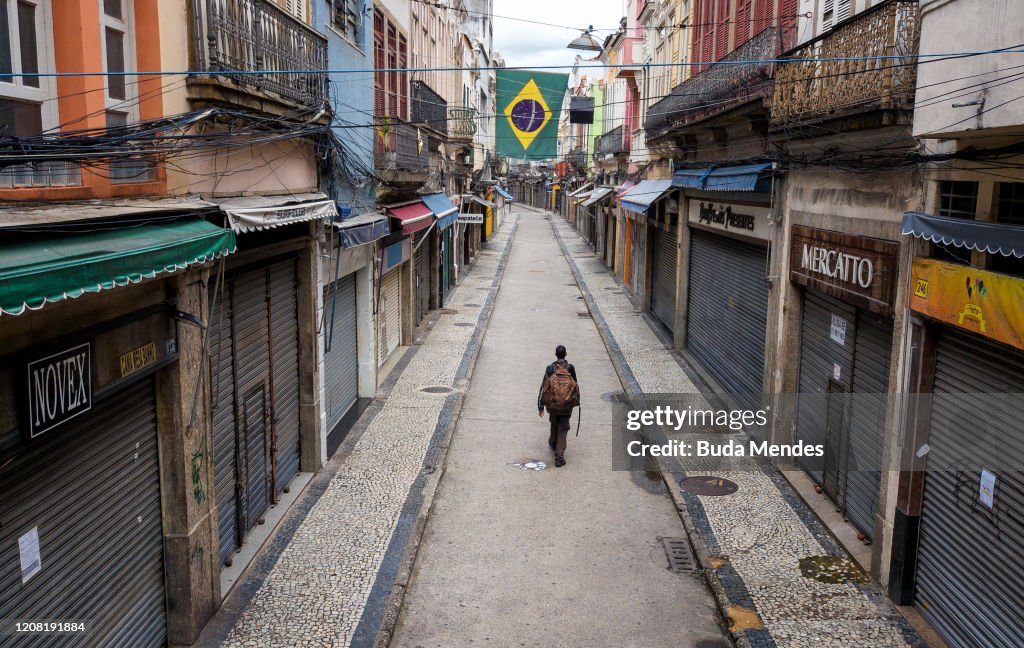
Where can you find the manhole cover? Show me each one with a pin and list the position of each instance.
(709, 485)
(532, 464)
(464, 324)
(583, 315)
(680, 555)
(437, 390)
(473, 305)
(537, 309)
(614, 397)
(447, 311)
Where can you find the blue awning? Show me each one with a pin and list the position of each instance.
(444, 209)
(504, 194)
(994, 238)
(750, 177)
(641, 197)
(362, 229)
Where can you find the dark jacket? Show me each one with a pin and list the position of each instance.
(547, 372)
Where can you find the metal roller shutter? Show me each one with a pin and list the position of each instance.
(389, 317)
(93, 491)
(845, 414)
(284, 320)
(969, 560)
(250, 333)
(872, 352)
(663, 273)
(222, 391)
(727, 312)
(422, 274)
(341, 362)
(819, 356)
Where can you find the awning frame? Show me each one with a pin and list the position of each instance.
(980, 236)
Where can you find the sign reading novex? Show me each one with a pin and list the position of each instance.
(529, 104)
(976, 300)
(59, 388)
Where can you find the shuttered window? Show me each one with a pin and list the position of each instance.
(390, 51)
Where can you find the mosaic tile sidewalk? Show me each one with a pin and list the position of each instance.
(769, 552)
(316, 593)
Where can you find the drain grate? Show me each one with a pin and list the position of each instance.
(447, 311)
(583, 315)
(464, 324)
(472, 305)
(680, 555)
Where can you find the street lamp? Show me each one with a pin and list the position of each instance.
(585, 41)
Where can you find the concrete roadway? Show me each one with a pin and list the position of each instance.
(560, 557)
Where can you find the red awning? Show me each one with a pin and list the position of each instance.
(414, 216)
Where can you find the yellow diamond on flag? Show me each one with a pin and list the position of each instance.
(527, 114)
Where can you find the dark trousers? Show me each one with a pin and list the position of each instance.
(559, 432)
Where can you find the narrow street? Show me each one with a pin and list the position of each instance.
(560, 556)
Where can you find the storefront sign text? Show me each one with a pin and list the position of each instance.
(856, 269)
(137, 359)
(59, 388)
(473, 219)
(979, 301)
(740, 220)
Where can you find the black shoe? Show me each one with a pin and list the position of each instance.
(559, 462)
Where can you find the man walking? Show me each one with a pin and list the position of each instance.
(559, 393)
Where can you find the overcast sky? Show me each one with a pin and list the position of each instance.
(528, 44)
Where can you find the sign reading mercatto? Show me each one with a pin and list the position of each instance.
(59, 388)
(857, 269)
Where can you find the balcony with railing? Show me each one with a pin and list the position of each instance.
(723, 86)
(461, 123)
(611, 143)
(256, 47)
(427, 107)
(842, 72)
(400, 147)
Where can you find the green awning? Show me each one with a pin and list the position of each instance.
(39, 269)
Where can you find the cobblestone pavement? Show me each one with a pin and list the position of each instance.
(757, 536)
(316, 593)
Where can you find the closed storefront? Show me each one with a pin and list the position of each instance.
(421, 278)
(389, 316)
(970, 350)
(445, 212)
(255, 392)
(727, 300)
(341, 353)
(638, 205)
(663, 276)
(446, 270)
(81, 526)
(845, 348)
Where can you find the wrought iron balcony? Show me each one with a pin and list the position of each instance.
(718, 88)
(812, 87)
(428, 107)
(611, 143)
(399, 146)
(461, 123)
(577, 158)
(263, 45)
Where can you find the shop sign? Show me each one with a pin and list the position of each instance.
(59, 388)
(742, 220)
(137, 359)
(472, 219)
(979, 301)
(857, 269)
(395, 254)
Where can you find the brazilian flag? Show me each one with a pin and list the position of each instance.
(529, 104)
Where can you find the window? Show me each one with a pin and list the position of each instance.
(390, 50)
(1009, 210)
(120, 87)
(346, 17)
(296, 8)
(957, 199)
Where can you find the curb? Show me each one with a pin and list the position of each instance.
(434, 463)
(632, 388)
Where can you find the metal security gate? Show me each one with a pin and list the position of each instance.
(727, 312)
(843, 384)
(341, 351)
(609, 247)
(445, 261)
(421, 272)
(969, 559)
(101, 539)
(255, 393)
(663, 278)
(389, 316)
